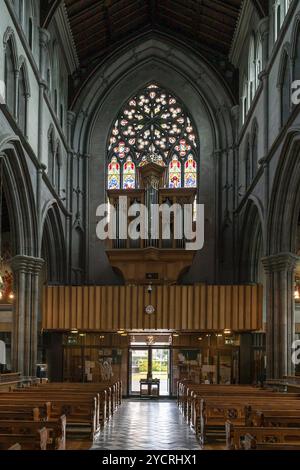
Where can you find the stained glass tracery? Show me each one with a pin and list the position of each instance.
(113, 174)
(153, 123)
(129, 174)
(190, 173)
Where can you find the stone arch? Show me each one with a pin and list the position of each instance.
(21, 204)
(285, 198)
(252, 242)
(9, 35)
(294, 37)
(284, 62)
(53, 245)
(22, 64)
(198, 86)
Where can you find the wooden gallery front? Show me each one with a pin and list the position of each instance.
(199, 332)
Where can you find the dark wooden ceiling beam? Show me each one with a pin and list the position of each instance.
(223, 7)
(261, 7)
(200, 34)
(48, 11)
(76, 7)
(190, 24)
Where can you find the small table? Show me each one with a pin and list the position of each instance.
(149, 388)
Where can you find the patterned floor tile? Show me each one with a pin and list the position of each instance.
(147, 425)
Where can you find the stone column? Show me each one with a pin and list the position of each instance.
(279, 291)
(26, 271)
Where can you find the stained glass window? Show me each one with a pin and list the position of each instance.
(153, 124)
(113, 174)
(175, 173)
(129, 174)
(190, 172)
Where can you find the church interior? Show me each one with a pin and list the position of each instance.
(149, 224)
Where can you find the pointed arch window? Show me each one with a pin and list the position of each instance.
(153, 123)
(113, 174)
(30, 33)
(251, 70)
(190, 172)
(10, 76)
(285, 90)
(175, 173)
(23, 94)
(129, 174)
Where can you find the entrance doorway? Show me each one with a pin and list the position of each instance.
(149, 363)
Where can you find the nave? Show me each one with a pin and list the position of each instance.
(147, 425)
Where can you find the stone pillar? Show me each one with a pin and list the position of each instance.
(25, 314)
(279, 291)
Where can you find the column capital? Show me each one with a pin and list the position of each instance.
(27, 264)
(280, 262)
(263, 26)
(44, 37)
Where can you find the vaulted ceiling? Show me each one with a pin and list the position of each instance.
(100, 25)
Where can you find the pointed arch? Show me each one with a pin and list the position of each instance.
(251, 69)
(252, 242)
(10, 70)
(51, 152)
(53, 244)
(295, 47)
(284, 84)
(153, 124)
(20, 198)
(9, 37)
(284, 205)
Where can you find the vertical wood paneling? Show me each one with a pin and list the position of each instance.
(203, 311)
(196, 308)
(228, 307)
(209, 308)
(110, 308)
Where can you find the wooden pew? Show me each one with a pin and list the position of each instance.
(214, 412)
(250, 443)
(274, 417)
(56, 439)
(15, 447)
(262, 435)
(35, 441)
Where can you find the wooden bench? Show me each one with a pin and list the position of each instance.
(35, 441)
(56, 439)
(250, 443)
(261, 435)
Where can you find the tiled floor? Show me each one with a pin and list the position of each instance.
(147, 425)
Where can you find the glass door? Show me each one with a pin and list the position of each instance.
(160, 368)
(138, 369)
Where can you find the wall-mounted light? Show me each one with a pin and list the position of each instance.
(227, 331)
(74, 331)
(297, 289)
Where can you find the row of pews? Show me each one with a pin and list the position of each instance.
(241, 416)
(45, 416)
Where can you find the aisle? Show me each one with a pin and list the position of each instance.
(146, 425)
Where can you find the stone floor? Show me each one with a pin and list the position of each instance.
(147, 425)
